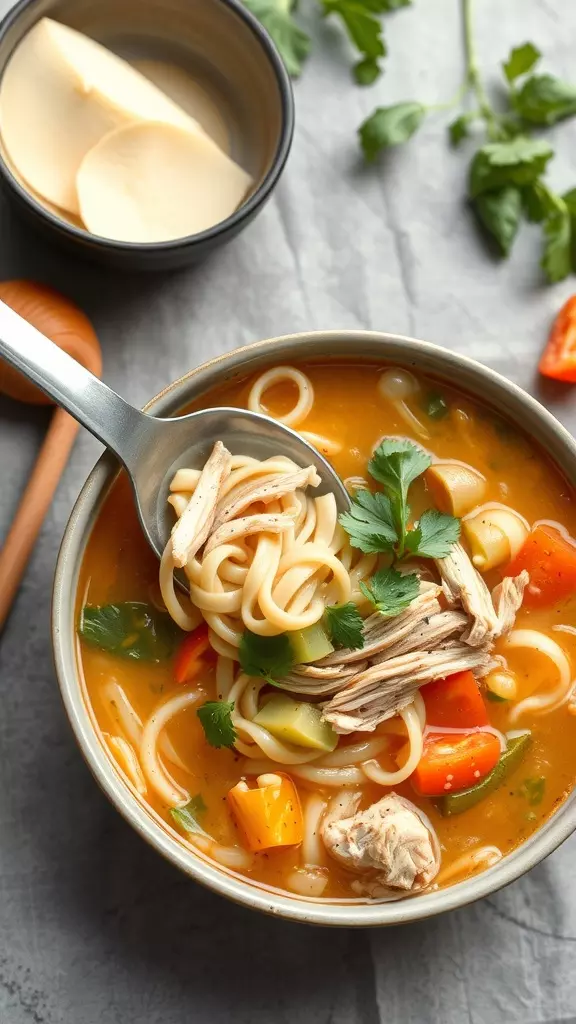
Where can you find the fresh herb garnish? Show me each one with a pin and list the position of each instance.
(533, 789)
(216, 719)
(390, 591)
(396, 464)
(506, 180)
(436, 406)
(131, 629)
(268, 657)
(434, 535)
(187, 816)
(277, 18)
(379, 522)
(345, 625)
(370, 523)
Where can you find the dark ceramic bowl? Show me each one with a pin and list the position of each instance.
(224, 48)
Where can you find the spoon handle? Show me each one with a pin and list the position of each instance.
(113, 421)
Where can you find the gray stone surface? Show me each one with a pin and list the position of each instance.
(94, 927)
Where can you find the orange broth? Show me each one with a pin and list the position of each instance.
(119, 566)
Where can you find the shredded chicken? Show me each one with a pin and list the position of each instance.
(382, 690)
(463, 584)
(507, 598)
(229, 533)
(194, 525)
(265, 490)
(392, 842)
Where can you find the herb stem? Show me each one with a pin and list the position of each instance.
(473, 77)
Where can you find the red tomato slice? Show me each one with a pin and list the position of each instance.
(455, 702)
(550, 558)
(453, 762)
(187, 661)
(559, 357)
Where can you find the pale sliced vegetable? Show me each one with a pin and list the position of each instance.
(455, 487)
(296, 722)
(190, 96)
(60, 94)
(310, 644)
(155, 182)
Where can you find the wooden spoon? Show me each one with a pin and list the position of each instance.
(66, 325)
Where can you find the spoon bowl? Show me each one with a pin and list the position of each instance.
(152, 449)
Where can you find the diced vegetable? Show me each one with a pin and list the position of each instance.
(454, 487)
(309, 644)
(188, 658)
(455, 761)
(187, 817)
(550, 559)
(297, 722)
(269, 815)
(559, 357)
(455, 702)
(502, 685)
(495, 534)
(132, 629)
(509, 761)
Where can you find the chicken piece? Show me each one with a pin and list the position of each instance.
(230, 533)
(195, 523)
(392, 842)
(507, 598)
(462, 583)
(265, 489)
(383, 690)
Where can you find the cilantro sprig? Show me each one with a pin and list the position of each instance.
(216, 719)
(390, 591)
(378, 523)
(360, 20)
(345, 625)
(506, 182)
(267, 657)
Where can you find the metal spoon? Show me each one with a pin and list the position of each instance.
(151, 449)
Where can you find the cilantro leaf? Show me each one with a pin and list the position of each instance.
(370, 522)
(345, 625)
(390, 591)
(521, 60)
(187, 816)
(268, 657)
(459, 129)
(293, 44)
(538, 202)
(533, 789)
(519, 161)
(389, 126)
(544, 99)
(360, 20)
(215, 716)
(396, 464)
(569, 198)
(367, 71)
(434, 536)
(394, 5)
(557, 257)
(500, 212)
(436, 405)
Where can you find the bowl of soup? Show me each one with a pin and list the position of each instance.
(345, 718)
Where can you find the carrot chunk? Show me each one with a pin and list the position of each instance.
(550, 559)
(269, 815)
(456, 761)
(455, 702)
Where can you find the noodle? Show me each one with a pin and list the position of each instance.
(277, 376)
(312, 848)
(469, 863)
(124, 752)
(543, 702)
(159, 779)
(310, 773)
(375, 773)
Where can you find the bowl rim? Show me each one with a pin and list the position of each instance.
(338, 346)
(232, 223)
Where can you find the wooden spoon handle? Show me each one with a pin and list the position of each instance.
(34, 504)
